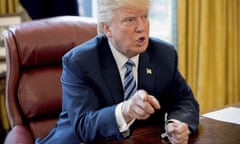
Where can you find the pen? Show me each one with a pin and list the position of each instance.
(164, 135)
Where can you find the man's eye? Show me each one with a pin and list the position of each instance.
(145, 17)
(129, 21)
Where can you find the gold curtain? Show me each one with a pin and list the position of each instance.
(8, 6)
(209, 50)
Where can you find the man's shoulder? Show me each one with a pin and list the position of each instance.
(157, 45)
(160, 43)
(84, 56)
(85, 50)
(89, 44)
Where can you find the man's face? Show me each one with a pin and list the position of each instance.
(128, 31)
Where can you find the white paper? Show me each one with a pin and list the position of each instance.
(229, 114)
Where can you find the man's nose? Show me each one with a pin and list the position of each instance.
(141, 25)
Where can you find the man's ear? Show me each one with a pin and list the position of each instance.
(106, 30)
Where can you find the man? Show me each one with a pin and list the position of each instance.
(98, 105)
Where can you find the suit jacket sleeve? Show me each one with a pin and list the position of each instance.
(89, 109)
(171, 89)
(184, 106)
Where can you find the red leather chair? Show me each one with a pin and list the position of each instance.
(33, 88)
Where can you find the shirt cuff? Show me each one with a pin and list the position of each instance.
(172, 120)
(122, 124)
(167, 121)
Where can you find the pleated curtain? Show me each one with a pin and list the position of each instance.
(8, 6)
(209, 50)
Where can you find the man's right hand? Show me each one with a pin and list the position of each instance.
(140, 106)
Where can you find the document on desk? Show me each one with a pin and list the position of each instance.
(229, 114)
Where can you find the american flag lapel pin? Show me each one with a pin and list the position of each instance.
(148, 71)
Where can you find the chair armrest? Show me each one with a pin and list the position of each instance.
(19, 135)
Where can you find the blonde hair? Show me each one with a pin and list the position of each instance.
(106, 8)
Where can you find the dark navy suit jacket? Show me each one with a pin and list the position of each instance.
(92, 88)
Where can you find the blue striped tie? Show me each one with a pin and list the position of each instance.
(129, 82)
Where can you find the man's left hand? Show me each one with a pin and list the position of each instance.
(178, 132)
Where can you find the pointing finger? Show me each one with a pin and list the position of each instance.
(149, 98)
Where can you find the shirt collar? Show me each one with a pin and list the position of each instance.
(120, 58)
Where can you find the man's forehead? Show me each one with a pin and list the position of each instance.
(129, 11)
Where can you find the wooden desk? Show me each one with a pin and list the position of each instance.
(209, 132)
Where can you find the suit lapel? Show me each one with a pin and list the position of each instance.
(111, 74)
(146, 73)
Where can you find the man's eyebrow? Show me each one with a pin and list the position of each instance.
(129, 15)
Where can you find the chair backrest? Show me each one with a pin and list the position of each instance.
(33, 56)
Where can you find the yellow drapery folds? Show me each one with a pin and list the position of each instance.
(8, 6)
(209, 50)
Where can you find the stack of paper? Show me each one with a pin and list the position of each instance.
(229, 114)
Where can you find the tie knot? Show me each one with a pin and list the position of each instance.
(129, 64)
